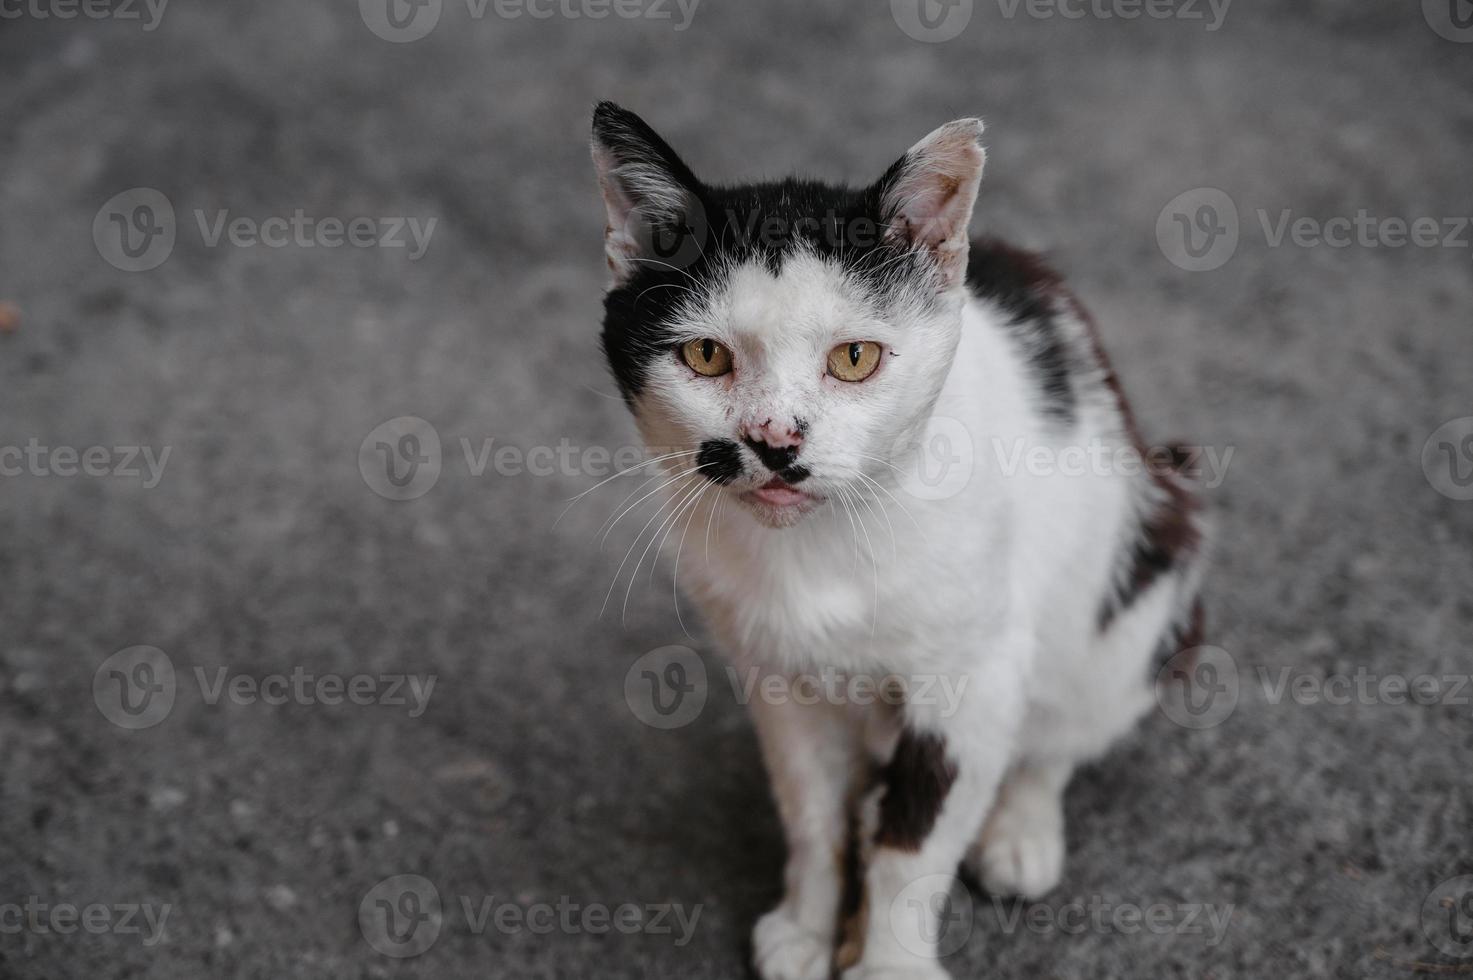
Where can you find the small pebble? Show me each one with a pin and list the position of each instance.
(281, 897)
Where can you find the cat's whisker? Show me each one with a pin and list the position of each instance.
(627, 469)
(871, 481)
(673, 516)
(669, 482)
(894, 542)
(874, 567)
(679, 548)
(654, 564)
(674, 268)
(629, 497)
(619, 571)
(709, 520)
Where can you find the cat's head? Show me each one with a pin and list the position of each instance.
(786, 337)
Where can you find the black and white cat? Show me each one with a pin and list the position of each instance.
(788, 347)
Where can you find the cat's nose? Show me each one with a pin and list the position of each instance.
(776, 434)
(775, 444)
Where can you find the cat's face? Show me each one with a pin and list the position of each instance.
(784, 339)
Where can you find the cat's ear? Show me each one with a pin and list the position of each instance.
(926, 196)
(651, 196)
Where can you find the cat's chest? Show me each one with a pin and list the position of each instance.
(823, 607)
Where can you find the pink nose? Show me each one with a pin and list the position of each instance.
(776, 435)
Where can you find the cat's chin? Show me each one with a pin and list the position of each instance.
(777, 513)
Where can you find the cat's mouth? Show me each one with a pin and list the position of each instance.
(777, 492)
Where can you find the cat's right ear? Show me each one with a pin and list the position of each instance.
(650, 194)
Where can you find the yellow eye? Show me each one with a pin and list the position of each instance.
(854, 362)
(707, 357)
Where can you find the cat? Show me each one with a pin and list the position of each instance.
(791, 349)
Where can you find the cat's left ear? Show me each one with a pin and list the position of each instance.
(652, 198)
(926, 197)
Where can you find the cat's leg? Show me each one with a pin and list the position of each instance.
(934, 793)
(814, 757)
(1021, 848)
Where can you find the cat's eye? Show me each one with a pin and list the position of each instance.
(855, 361)
(707, 357)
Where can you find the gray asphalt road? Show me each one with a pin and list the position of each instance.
(247, 835)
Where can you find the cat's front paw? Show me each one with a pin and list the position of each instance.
(915, 970)
(1023, 861)
(783, 950)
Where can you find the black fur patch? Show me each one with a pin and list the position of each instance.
(720, 460)
(917, 780)
(1032, 295)
(775, 458)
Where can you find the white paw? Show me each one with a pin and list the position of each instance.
(784, 950)
(1025, 861)
(914, 970)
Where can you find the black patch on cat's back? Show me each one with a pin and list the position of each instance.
(1032, 296)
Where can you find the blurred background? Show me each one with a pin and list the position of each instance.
(308, 714)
